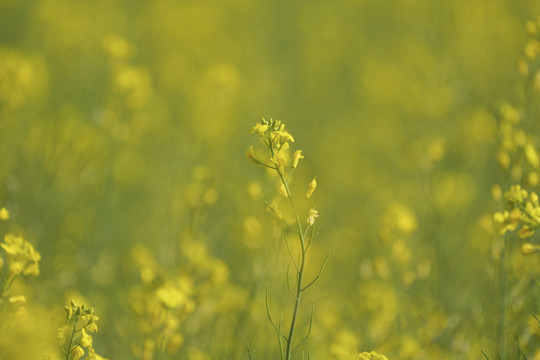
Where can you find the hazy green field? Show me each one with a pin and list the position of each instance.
(124, 127)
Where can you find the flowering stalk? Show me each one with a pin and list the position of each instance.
(277, 139)
(75, 338)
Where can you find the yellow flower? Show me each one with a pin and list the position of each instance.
(260, 129)
(4, 214)
(311, 187)
(371, 356)
(86, 340)
(23, 258)
(171, 296)
(19, 299)
(92, 325)
(77, 353)
(93, 356)
(311, 216)
(282, 136)
(296, 157)
(504, 222)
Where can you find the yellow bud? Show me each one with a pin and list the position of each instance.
(498, 218)
(515, 215)
(260, 129)
(311, 187)
(525, 232)
(528, 248)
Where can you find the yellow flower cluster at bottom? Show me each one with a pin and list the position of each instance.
(371, 356)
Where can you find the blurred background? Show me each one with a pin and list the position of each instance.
(123, 131)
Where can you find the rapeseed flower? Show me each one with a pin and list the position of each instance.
(311, 216)
(371, 356)
(296, 157)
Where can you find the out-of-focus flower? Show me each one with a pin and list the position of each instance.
(371, 356)
(4, 214)
(23, 258)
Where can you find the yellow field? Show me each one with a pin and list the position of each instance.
(349, 179)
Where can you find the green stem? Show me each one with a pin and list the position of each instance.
(503, 280)
(68, 354)
(299, 289)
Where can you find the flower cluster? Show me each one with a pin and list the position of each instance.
(523, 209)
(19, 258)
(278, 140)
(74, 336)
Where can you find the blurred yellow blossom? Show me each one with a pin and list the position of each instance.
(23, 258)
(528, 248)
(4, 214)
(371, 356)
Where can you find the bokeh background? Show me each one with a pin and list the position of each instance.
(123, 131)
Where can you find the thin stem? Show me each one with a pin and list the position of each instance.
(320, 272)
(302, 263)
(503, 280)
(310, 327)
(68, 354)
